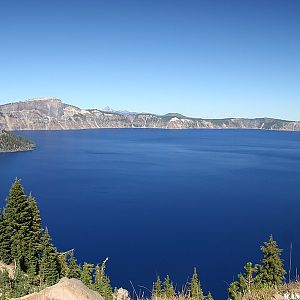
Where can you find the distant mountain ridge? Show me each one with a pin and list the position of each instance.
(121, 112)
(53, 114)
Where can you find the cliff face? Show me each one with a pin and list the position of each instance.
(53, 114)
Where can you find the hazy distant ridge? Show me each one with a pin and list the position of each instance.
(53, 114)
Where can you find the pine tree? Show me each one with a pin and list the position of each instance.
(34, 234)
(20, 228)
(73, 268)
(48, 263)
(17, 211)
(86, 274)
(209, 296)
(5, 289)
(63, 265)
(169, 291)
(195, 287)
(5, 239)
(234, 290)
(32, 265)
(102, 282)
(14, 224)
(157, 288)
(248, 279)
(246, 282)
(20, 285)
(272, 271)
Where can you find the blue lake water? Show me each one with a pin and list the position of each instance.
(164, 201)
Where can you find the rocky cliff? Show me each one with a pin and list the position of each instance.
(53, 114)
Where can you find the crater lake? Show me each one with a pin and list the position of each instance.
(160, 202)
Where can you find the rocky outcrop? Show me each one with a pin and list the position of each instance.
(121, 294)
(8, 268)
(66, 289)
(53, 114)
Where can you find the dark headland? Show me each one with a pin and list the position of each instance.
(13, 143)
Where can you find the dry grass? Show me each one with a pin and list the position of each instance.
(268, 293)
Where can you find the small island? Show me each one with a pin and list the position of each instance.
(13, 143)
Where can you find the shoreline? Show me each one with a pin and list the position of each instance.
(158, 128)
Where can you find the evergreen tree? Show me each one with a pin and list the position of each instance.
(5, 239)
(234, 291)
(157, 288)
(209, 296)
(169, 291)
(14, 224)
(86, 274)
(102, 282)
(48, 263)
(32, 265)
(5, 287)
(248, 279)
(63, 265)
(246, 282)
(35, 232)
(73, 268)
(20, 228)
(195, 287)
(272, 271)
(20, 285)
(17, 212)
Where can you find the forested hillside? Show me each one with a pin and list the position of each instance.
(13, 143)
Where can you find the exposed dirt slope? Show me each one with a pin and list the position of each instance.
(65, 289)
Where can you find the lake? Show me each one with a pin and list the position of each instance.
(163, 201)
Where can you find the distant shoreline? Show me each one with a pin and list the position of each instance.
(155, 128)
(53, 114)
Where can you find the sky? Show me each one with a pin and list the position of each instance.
(201, 58)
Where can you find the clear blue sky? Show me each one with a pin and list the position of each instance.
(225, 58)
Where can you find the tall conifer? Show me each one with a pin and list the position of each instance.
(271, 271)
(157, 288)
(169, 291)
(195, 287)
(48, 264)
(73, 268)
(16, 223)
(86, 274)
(102, 282)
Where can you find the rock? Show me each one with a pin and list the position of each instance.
(9, 268)
(53, 114)
(293, 295)
(121, 294)
(65, 289)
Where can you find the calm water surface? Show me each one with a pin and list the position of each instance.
(164, 201)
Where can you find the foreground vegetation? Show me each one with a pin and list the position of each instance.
(27, 250)
(13, 143)
(260, 281)
(26, 246)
